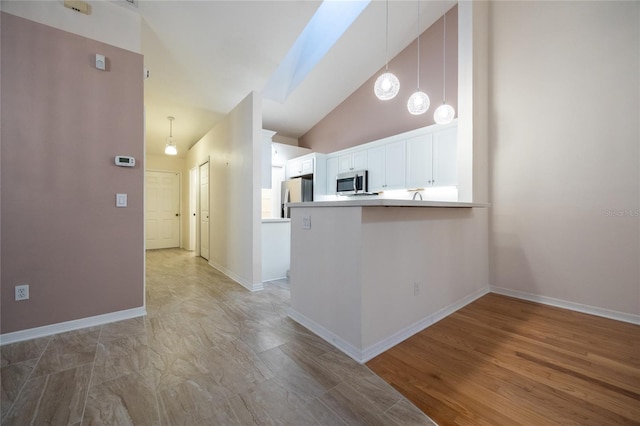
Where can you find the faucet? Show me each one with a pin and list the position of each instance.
(417, 193)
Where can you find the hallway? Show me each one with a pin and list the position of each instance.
(208, 352)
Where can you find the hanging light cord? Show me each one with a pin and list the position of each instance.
(386, 53)
(170, 128)
(444, 59)
(418, 44)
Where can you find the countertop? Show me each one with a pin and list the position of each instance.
(276, 220)
(387, 202)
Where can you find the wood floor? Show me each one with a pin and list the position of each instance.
(504, 361)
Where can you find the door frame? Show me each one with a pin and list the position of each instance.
(179, 173)
(193, 209)
(198, 201)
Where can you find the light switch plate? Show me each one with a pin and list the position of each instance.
(121, 200)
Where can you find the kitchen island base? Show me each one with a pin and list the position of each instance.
(365, 278)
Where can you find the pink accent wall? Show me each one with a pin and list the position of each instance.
(63, 121)
(363, 118)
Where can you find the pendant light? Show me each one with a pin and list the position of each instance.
(419, 102)
(444, 113)
(170, 147)
(387, 85)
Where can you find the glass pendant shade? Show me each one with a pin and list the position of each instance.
(387, 86)
(418, 103)
(444, 114)
(170, 147)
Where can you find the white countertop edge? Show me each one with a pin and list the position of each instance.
(276, 220)
(386, 202)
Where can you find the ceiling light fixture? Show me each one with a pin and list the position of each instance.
(170, 147)
(419, 102)
(444, 113)
(387, 84)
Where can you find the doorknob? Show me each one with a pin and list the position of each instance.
(177, 214)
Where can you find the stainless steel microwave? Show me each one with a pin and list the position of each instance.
(351, 183)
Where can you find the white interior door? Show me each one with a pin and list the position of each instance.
(162, 209)
(194, 184)
(204, 210)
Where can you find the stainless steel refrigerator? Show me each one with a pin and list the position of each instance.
(294, 191)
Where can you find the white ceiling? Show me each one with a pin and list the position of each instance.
(204, 57)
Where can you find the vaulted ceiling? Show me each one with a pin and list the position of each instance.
(204, 57)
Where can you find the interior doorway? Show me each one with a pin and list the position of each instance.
(204, 210)
(193, 208)
(162, 209)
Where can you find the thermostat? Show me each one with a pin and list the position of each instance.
(123, 160)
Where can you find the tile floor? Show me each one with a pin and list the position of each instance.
(209, 352)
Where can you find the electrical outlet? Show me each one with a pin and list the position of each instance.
(22, 292)
(416, 289)
(306, 222)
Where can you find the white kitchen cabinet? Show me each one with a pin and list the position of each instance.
(431, 159)
(300, 166)
(352, 161)
(267, 136)
(419, 161)
(311, 164)
(445, 157)
(332, 173)
(386, 165)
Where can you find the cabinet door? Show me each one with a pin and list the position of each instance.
(445, 163)
(306, 166)
(419, 164)
(375, 165)
(352, 161)
(360, 160)
(344, 163)
(294, 168)
(394, 171)
(332, 172)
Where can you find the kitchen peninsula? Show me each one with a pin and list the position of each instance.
(368, 273)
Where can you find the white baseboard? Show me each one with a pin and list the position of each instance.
(62, 327)
(274, 279)
(244, 283)
(362, 356)
(327, 335)
(401, 335)
(573, 306)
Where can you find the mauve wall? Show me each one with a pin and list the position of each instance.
(63, 122)
(363, 118)
(565, 178)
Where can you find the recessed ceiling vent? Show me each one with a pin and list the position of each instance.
(78, 6)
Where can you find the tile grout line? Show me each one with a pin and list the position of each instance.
(26, 380)
(93, 367)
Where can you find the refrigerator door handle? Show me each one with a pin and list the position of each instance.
(287, 198)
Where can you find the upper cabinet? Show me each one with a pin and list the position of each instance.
(311, 164)
(352, 161)
(445, 157)
(267, 136)
(300, 166)
(386, 165)
(421, 158)
(431, 159)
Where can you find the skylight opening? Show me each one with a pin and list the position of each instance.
(323, 30)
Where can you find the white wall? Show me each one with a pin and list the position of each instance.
(108, 22)
(233, 147)
(564, 127)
